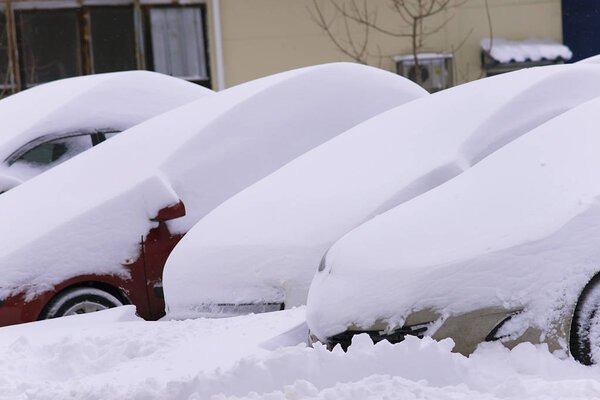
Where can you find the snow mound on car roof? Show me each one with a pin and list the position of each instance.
(264, 244)
(115, 101)
(518, 230)
(88, 214)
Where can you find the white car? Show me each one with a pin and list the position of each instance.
(262, 246)
(506, 251)
(95, 231)
(48, 124)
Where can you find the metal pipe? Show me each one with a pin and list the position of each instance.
(216, 12)
(140, 51)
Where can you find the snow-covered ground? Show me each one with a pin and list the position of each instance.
(115, 355)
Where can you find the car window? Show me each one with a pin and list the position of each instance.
(108, 135)
(55, 151)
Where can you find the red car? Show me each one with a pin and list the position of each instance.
(95, 231)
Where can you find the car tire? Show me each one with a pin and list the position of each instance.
(80, 300)
(584, 338)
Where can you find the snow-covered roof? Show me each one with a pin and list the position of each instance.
(264, 244)
(115, 101)
(518, 230)
(506, 51)
(88, 214)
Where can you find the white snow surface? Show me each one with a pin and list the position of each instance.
(265, 243)
(506, 51)
(518, 230)
(88, 214)
(114, 355)
(590, 60)
(111, 101)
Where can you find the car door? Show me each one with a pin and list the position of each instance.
(156, 248)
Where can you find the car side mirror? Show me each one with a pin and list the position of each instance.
(7, 183)
(170, 212)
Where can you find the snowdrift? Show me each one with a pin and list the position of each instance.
(111, 355)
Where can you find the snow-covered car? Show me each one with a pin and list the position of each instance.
(43, 126)
(262, 246)
(506, 251)
(95, 231)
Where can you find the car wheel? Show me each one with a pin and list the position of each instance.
(80, 300)
(585, 328)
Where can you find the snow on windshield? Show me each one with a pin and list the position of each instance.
(91, 211)
(518, 230)
(267, 241)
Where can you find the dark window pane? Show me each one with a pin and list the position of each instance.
(56, 151)
(44, 153)
(178, 42)
(49, 42)
(3, 52)
(112, 39)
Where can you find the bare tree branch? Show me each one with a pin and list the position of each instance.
(364, 20)
(413, 23)
(325, 25)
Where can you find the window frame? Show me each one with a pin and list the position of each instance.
(80, 52)
(87, 25)
(205, 43)
(147, 31)
(142, 32)
(96, 137)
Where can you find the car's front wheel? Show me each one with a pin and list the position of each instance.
(585, 327)
(80, 300)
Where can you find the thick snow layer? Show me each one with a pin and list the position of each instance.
(88, 214)
(506, 51)
(518, 230)
(114, 355)
(277, 125)
(264, 244)
(113, 101)
(590, 60)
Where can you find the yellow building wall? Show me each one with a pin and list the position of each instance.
(262, 37)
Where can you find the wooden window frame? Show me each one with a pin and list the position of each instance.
(142, 32)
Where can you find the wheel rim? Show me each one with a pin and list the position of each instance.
(85, 307)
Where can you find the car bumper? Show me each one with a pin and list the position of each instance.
(466, 330)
